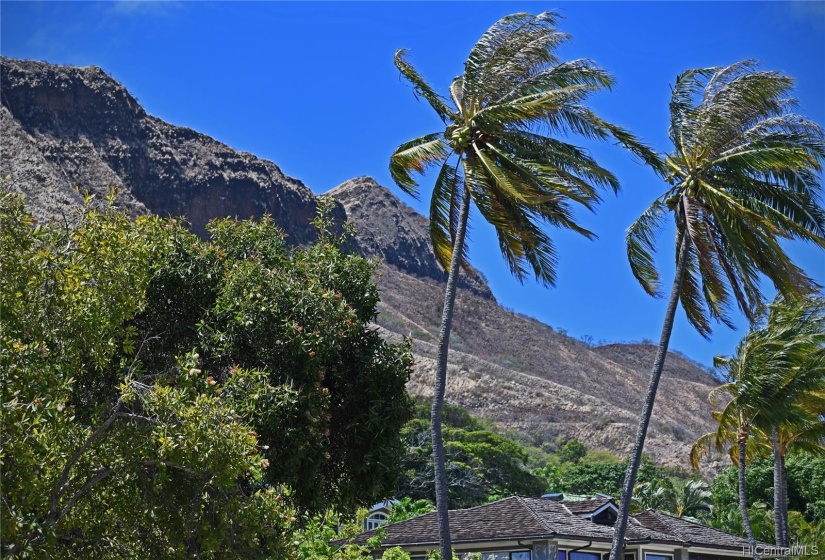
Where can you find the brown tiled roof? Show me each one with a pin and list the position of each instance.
(505, 519)
(689, 532)
(560, 521)
(520, 518)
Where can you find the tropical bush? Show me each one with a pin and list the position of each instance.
(166, 396)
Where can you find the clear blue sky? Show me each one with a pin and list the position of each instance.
(311, 86)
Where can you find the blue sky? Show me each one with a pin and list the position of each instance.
(311, 86)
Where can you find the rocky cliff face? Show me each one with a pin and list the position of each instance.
(64, 127)
(389, 230)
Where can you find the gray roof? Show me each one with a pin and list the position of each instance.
(519, 518)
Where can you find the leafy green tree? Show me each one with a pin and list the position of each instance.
(247, 300)
(491, 155)
(742, 176)
(572, 451)
(481, 465)
(165, 396)
(165, 467)
(606, 478)
(406, 508)
(806, 485)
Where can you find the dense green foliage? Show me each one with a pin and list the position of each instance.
(165, 396)
(588, 476)
(806, 485)
(481, 464)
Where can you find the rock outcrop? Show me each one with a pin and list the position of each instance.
(69, 129)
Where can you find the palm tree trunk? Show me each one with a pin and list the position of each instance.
(441, 499)
(786, 536)
(620, 528)
(780, 497)
(743, 495)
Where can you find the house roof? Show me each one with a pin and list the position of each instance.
(519, 518)
(688, 531)
(582, 507)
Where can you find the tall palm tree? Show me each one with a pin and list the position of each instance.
(742, 176)
(809, 438)
(492, 154)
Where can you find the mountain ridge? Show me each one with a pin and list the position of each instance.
(64, 126)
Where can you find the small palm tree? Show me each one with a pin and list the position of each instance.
(795, 382)
(734, 428)
(652, 495)
(776, 384)
(491, 154)
(693, 498)
(742, 176)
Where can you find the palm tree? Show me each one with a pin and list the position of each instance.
(742, 175)
(734, 428)
(775, 384)
(490, 154)
(808, 438)
(693, 498)
(654, 494)
(797, 381)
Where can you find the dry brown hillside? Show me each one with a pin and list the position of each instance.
(513, 369)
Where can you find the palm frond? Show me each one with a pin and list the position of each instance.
(422, 88)
(443, 202)
(417, 155)
(513, 49)
(523, 244)
(640, 243)
(581, 72)
(554, 158)
(691, 295)
(683, 99)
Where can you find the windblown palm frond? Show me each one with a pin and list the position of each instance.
(776, 379)
(744, 175)
(512, 88)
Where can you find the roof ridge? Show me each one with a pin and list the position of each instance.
(488, 503)
(535, 515)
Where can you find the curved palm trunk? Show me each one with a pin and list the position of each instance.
(620, 528)
(441, 500)
(780, 496)
(743, 494)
